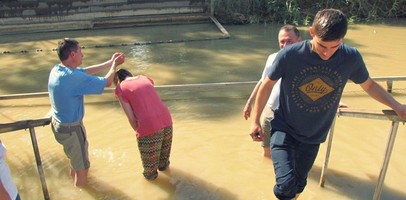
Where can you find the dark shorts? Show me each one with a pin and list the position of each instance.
(72, 136)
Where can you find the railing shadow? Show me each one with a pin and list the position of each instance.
(361, 188)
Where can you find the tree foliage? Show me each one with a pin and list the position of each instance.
(301, 12)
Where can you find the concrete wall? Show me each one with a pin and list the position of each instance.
(38, 11)
(31, 15)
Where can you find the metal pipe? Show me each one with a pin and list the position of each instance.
(194, 86)
(388, 152)
(326, 159)
(39, 163)
(382, 115)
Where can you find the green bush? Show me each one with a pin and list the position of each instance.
(301, 12)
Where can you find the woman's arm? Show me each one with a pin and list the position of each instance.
(129, 112)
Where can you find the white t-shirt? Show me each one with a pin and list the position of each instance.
(5, 175)
(273, 100)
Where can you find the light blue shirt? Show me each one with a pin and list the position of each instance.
(66, 88)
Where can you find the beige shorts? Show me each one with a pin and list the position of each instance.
(266, 118)
(72, 136)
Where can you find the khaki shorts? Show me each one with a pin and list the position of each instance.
(72, 136)
(266, 118)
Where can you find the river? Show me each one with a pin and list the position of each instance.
(212, 155)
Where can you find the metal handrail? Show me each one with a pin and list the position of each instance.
(31, 124)
(181, 87)
(204, 86)
(381, 115)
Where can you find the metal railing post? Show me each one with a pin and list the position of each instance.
(388, 152)
(383, 115)
(389, 85)
(39, 163)
(329, 143)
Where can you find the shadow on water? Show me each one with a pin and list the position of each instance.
(101, 190)
(22, 163)
(240, 58)
(184, 62)
(30, 179)
(176, 183)
(347, 185)
(181, 63)
(182, 185)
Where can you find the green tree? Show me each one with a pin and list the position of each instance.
(301, 12)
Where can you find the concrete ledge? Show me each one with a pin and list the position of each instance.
(106, 22)
(150, 20)
(123, 18)
(58, 15)
(95, 14)
(45, 27)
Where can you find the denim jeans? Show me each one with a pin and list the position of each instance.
(292, 161)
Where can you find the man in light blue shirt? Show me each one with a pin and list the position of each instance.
(67, 85)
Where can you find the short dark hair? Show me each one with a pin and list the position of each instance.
(330, 24)
(289, 27)
(65, 46)
(121, 74)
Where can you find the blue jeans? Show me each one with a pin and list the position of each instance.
(292, 161)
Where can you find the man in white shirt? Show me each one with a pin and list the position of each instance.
(8, 189)
(288, 34)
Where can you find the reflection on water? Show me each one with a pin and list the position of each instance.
(213, 157)
(139, 57)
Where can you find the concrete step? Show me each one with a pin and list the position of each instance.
(106, 22)
(146, 20)
(117, 16)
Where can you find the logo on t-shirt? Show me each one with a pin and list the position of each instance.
(317, 89)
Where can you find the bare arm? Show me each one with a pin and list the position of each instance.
(251, 99)
(378, 93)
(262, 97)
(102, 66)
(117, 60)
(247, 108)
(129, 112)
